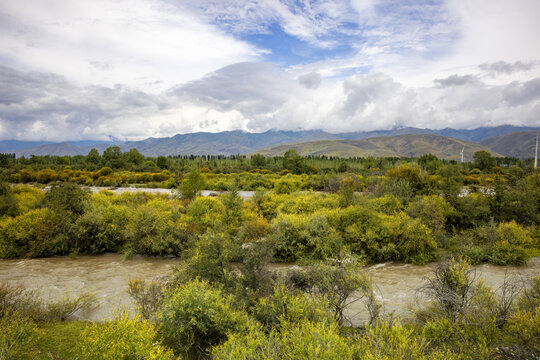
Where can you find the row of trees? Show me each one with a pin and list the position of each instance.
(133, 160)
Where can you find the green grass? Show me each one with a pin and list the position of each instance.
(57, 340)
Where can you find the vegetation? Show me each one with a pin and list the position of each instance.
(224, 302)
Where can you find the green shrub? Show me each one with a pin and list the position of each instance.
(152, 230)
(525, 327)
(16, 333)
(306, 340)
(122, 338)
(147, 296)
(285, 307)
(195, 316)
(192, 184)
(529, 299)
(391, 340)
(431, 211)
(304, 237)
(36, 233)
(341, 282)
(387, 204)
(465, 339)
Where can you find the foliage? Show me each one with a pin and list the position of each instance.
(305, 340)
(285, 307)
(8, 203)
(147, 296)
(192, 184)
(340, 282)
(195, 316)
(388, 340)
(16, 332)
(66, 197)
(122, 338)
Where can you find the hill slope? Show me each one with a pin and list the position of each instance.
(403, 145)
(237, 142)
(518, 144)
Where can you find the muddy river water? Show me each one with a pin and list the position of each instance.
(107, 277)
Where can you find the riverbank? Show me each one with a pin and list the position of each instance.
(107, 276)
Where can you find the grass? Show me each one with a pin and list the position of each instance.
(58, 340)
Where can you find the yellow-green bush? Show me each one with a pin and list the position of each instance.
(525, 327)
(285, 307)
(195, 316)
(391, 340)
(35, 233)
(16, 333)
(305, 340)
(122, 338)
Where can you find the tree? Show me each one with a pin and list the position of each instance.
(192, 184)
(113, 156)
(8, 203)
(429, 162)
(133, 156)
(483, 160)
(162, 162)
(67, 197)
(93, 157)
(258, 161)
(293, 162)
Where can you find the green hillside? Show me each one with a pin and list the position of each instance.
(403, 145)
(518, 144)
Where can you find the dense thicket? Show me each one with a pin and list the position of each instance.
(224, 302)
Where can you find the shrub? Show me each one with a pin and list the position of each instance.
(17, 299)
(8, 203)
(122, 338)
(525, 326)
(431, 211)
(467, 340)
(390, 340)
(147, 295)
(67, 197)
(16, 332)
(306, 340)
(341, 282)
(205, 213)
(36, 233)
(152, 230)
(194, 317)
(302, 237)
(209, 259)
(285, 307)
(192, 184)
(529, 299)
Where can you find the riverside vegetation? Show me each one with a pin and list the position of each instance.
(224, 302)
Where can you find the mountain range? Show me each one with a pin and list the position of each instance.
(504, 140)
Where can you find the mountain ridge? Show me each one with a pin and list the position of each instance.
(241, 142)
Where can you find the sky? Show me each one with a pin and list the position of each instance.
(133, 69)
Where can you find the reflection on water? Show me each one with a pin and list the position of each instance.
(107, 276)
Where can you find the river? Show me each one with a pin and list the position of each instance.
(107, 277)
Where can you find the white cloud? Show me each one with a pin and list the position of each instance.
(140, 43)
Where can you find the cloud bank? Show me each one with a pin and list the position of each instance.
(141, 68)
(256, 97)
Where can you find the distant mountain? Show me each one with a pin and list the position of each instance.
(60, 149)
(13, 145)
(237, 142)
(402, 145)
(474, 135)
(201, 143)
(518, 144)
